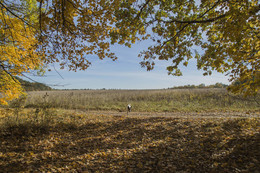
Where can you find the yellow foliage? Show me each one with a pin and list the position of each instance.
(227, 32)
(33, 34)
(17, 55)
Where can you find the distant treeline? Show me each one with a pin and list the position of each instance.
(216, 85)
(33, 86)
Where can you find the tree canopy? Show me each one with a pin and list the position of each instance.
(34, 34)
(18, 52)
(227, 32)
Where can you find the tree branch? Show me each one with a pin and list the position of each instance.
(141, 10)
(15, 15)
(196, 21)
(40, 19)
(3, 68)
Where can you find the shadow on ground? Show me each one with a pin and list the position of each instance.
(152, 144)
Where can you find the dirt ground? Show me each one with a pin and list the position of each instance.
(178, 114)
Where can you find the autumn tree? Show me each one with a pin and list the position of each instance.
(17, 49)
(67, 32)
(60, 31)
(226, 31)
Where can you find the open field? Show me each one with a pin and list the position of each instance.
(171, 100)
(181, 130)
(57, 140)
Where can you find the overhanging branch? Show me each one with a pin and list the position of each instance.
(3, 68)
(141, 10)
(196, 21)
(15, 14)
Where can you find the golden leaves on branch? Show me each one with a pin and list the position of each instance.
(66, 32)
(79, 30)
(226, 31)
(17, 55)
(69, 32)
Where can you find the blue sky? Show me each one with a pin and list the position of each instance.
(126, 73)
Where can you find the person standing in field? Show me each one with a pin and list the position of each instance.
(129, 107)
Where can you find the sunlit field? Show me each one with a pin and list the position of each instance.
(171, 100)
(181, 130)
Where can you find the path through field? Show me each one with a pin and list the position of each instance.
(252, 114)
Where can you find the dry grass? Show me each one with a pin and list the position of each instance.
(172, 100)
(177, 134)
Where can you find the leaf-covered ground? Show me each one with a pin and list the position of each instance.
(105, 143)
